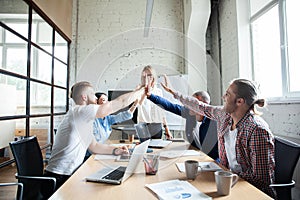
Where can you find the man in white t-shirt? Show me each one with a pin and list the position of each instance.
(75, 133)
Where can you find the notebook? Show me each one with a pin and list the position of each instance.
(118, 174)
(143, 134)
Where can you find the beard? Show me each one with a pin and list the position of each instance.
(230, 107)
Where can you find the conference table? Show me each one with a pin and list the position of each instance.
(76, 187)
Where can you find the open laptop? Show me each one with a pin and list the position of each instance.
(118, 174)
(143, 134)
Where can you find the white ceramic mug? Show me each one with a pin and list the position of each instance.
(191, 169)
(225, 180)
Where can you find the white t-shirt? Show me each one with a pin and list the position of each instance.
(149, 112)
(230, 142)
(196, 134)
(73, 137)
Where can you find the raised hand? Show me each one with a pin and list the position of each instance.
(134, 105)
(166, 86)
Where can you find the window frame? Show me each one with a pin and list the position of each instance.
(32, 8)
(287, 96)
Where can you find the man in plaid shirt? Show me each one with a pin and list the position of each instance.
(246, 144)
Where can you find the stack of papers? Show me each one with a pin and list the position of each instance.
(176, 189)
(203, 166)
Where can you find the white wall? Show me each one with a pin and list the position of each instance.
(110, 48)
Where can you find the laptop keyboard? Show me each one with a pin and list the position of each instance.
(117, 174)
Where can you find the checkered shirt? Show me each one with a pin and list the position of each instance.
(254, 143)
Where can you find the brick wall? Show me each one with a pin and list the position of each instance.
(111, 48)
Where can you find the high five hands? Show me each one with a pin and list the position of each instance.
(149, 84)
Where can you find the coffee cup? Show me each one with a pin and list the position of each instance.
(225, 180)
(191, 169)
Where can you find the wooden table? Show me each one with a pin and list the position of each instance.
(134, 187)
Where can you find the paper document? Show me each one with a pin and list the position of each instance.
(176, 189)
(203, 166)
(179, 153)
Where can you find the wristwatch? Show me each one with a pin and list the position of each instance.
(114, 151)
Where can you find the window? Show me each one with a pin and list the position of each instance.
(293, 41)
(275, 47)
(33, 73)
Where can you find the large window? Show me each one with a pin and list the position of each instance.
(276, 47)
(33, 74)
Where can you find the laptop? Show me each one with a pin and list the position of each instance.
(118, 174)
(143, 134)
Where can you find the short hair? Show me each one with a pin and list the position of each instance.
(204, 95)
(248, 90)
(99, 94)
(77, 90)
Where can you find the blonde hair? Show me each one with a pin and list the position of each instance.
(149, 68)
(78, 89)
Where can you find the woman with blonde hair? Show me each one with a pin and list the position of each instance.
(149, 112)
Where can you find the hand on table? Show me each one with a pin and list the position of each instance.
(122, 150)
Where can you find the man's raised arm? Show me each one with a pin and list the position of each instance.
(119, 103)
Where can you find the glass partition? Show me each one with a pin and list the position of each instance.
(41, 65)
(33, 73)
(59, 100)
(40, 98)
(60, 73)
(12, 96)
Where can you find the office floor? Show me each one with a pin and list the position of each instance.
(7, 174)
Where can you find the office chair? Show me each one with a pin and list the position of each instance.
(30, 168)
(286, 158)
(20, 189)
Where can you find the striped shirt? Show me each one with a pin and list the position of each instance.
(254, 143)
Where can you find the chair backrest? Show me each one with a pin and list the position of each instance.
(28, 156)
(286, 158)
(155, 130)
(29, 161)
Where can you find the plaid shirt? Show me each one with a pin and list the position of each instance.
(254, 143)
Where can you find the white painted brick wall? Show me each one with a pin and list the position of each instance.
(229, 41)
(108, 49)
